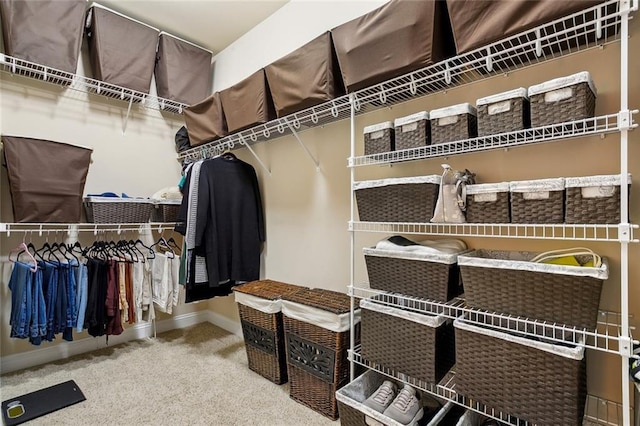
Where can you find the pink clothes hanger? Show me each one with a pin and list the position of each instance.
(22, 247)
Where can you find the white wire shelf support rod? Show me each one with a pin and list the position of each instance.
(587, 127)
(41, 229)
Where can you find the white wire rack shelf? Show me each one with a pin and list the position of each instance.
(605, 338)
(47, 229)
(584, 30)
(592, 126)
(80, 83)
(581, 232)
(597, 410)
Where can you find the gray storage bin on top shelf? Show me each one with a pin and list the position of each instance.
(563, 99)
(537, 201)
(412, 131)
(379, 138)
(593, 199)
(503, 112)
(453, 123)
(488, 203)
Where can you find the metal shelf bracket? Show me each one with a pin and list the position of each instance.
(295, 134)
(246, 145)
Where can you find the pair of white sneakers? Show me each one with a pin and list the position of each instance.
(403, 407)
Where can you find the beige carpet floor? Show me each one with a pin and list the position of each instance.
(193, 376)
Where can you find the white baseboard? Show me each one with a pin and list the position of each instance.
(225, 323)
(64, 350)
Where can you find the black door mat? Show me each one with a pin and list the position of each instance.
(44, 401)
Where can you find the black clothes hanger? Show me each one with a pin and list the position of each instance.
(163, 244)
(152, 254)
(172, 243)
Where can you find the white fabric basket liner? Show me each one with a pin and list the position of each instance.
(554, 184)
(378, 127)
(423, 115)
(325, 319)
(575, 353)
(258, 303)
(559, 83)
(434, 179)
(520, 92)
(600, 180)
(519, 261)
(465, 108)
(117, 200)
(487, 188)
(433, 321)
(167, 201)
(432, 255)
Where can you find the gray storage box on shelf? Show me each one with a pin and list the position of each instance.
(537, 201)
(410, 199)
(453, 123)
(317, 334)
(488, 203)
(379, 138)
(166, 210)
(427, 274)
(593, 199)
(418, 345)
(260, 309)
(412, 131)
(563, 99)
(503, 112)
(509, 282)
(118, 210)
(537, 382)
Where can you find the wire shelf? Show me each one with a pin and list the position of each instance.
(80, 83)
(592, 126)
(582, 232)
(605, 338)
(69, 228)
(584, 30)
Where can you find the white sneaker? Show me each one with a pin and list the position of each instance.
(382, 397)
(406, 408)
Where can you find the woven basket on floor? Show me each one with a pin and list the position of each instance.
(563, 99)
(412, 131)
(420, 346)
(507, 282)
(379, 138)
(503, 112)
(317, 356)
(117, 210)
(537, 382)
(264, 331)
(453, 123)
(593, 199)
(537, 201)
(397, 199)
(488, 203)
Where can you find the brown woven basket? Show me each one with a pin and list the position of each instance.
(494, 119)
(417, 350)
(120, 211)
(528, 383)
(453, 124)
(398, 201)
(580, 106)
(557, 298)
(604, 209)
(380, 140)
(493, 209)
(526, 209)
(413, 134)
(166, 212)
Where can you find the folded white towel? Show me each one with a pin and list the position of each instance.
(450, 246)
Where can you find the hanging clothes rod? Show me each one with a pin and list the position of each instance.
(72, 228)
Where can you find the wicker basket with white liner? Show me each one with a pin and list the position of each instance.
(537, 201)
(412, 131)
(534, 381)
(513, 283)
(503, 112)
(427, 269)
(488, 203)
(453, 123)
(410, 199)
(379, 138)
(118, 210)
(418, 345)
(593, 199)
(563, 99)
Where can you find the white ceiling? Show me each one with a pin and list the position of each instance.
(213, 24)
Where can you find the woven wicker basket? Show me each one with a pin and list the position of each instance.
(117, 210)
(563, 99)
(488, 203)
(537, 201)
(316, 355)
(531, 380)
(453, 123)
(503, 112)
(262, 326)
(593, 199)
(507, 282)
(397, 199)
(379, 138)
(420, 346)
(166, 211)
(424, 275)
(412, 131)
